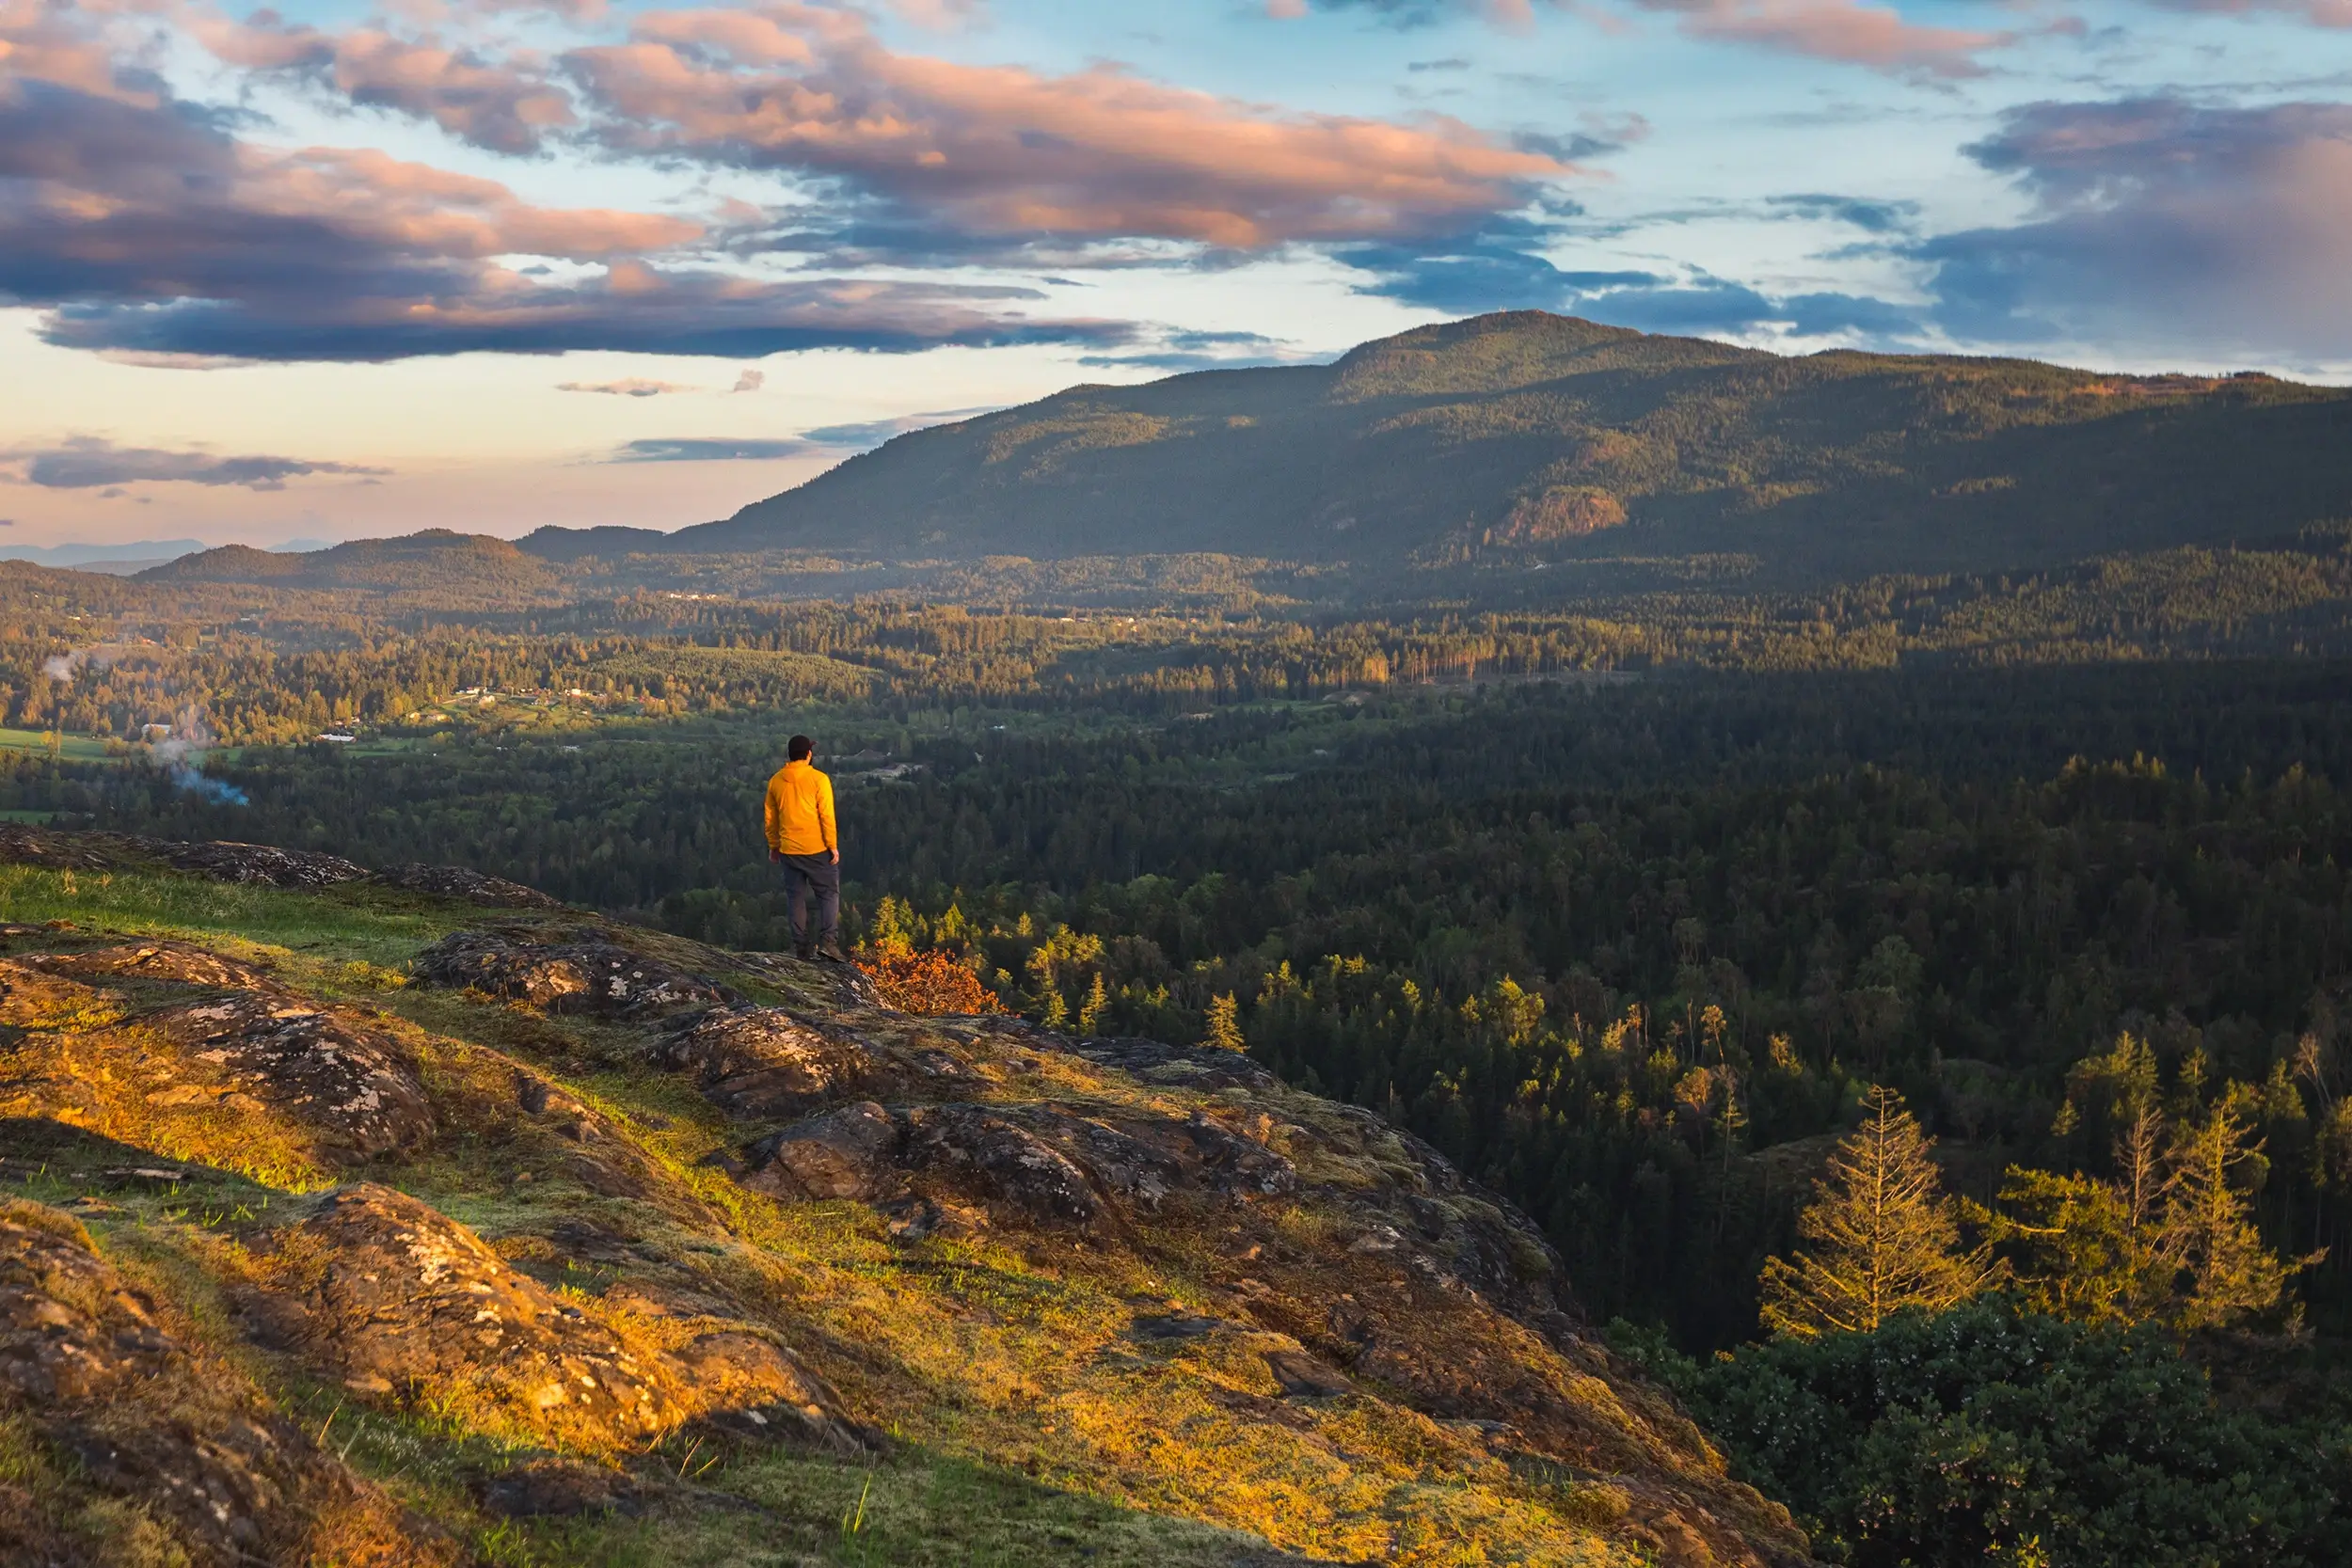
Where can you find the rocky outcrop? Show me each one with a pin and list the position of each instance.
(558, 1487)
(589, 975)
(849, 1153)
(1016, 1175)
(473, 887)
(222, 861)
(204, 1470)
(30, 998)
(400, 1303)
(330, 1081)
(759, 1064)
(1122, 1266)
(229, 862)
(24, 845)
(1035, 1164)
(172, 962)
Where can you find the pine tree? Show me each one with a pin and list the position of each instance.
(2084, 1251)
(2140, 1163)
(1225, 1023)
(1883, 1236)
(2209, 1228)
(1097, 1001)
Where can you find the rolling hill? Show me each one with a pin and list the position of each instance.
(1528, 436)
(459, 566)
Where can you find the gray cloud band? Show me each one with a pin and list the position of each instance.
(89, 463)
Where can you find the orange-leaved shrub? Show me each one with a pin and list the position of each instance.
(927, 982)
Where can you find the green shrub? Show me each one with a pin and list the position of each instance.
(1990, 1434)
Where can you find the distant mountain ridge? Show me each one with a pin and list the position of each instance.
(1524, 439)
(135, 556)
(1533, 436)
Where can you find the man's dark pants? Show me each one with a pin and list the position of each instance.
(821, 873)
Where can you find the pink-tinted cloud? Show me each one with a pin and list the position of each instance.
(508, 105)
(420, 210)
(1848, 31)
(149, 233)
(2320, 13)
(40, 42)
(1006, 151)
(942, 16)
(1842, 30)
(628, 386)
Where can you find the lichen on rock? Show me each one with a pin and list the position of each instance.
(585, 976)
(129, 1411)
(402, 1303)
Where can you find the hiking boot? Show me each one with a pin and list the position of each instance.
(803, 951)
(831, 952)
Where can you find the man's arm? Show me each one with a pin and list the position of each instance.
(775, 818)
(824, 816)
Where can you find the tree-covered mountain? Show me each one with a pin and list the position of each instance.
(1526, 436)
(464, 567)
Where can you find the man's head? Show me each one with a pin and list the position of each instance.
(801, 748)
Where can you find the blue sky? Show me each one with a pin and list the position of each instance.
(332, 270)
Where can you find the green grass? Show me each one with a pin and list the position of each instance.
(699, 1505)
(380, 925)
(913, 1510)
(71, 748)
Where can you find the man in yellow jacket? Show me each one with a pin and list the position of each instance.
(802, 837)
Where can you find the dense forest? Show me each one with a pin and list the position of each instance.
(1628, 951)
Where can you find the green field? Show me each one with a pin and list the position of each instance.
(75, 748)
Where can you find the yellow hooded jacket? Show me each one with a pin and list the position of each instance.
(799, 810)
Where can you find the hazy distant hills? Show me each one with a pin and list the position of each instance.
(460, 565)
(1533, 435)
(119, 558)
(1510, 440)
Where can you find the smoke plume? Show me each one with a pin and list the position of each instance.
(181, 758)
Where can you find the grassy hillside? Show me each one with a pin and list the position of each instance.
(1530, 437)
(346, 1223)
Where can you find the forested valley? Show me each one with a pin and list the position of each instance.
(1630, 911)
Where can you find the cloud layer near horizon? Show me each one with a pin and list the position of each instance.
(91, 463)
(2160, 219)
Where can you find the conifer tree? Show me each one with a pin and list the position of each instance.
(1882, 1236)
(1090, 1012)
(2083, 1254)
(2209, 1228)
(1225, 1023)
